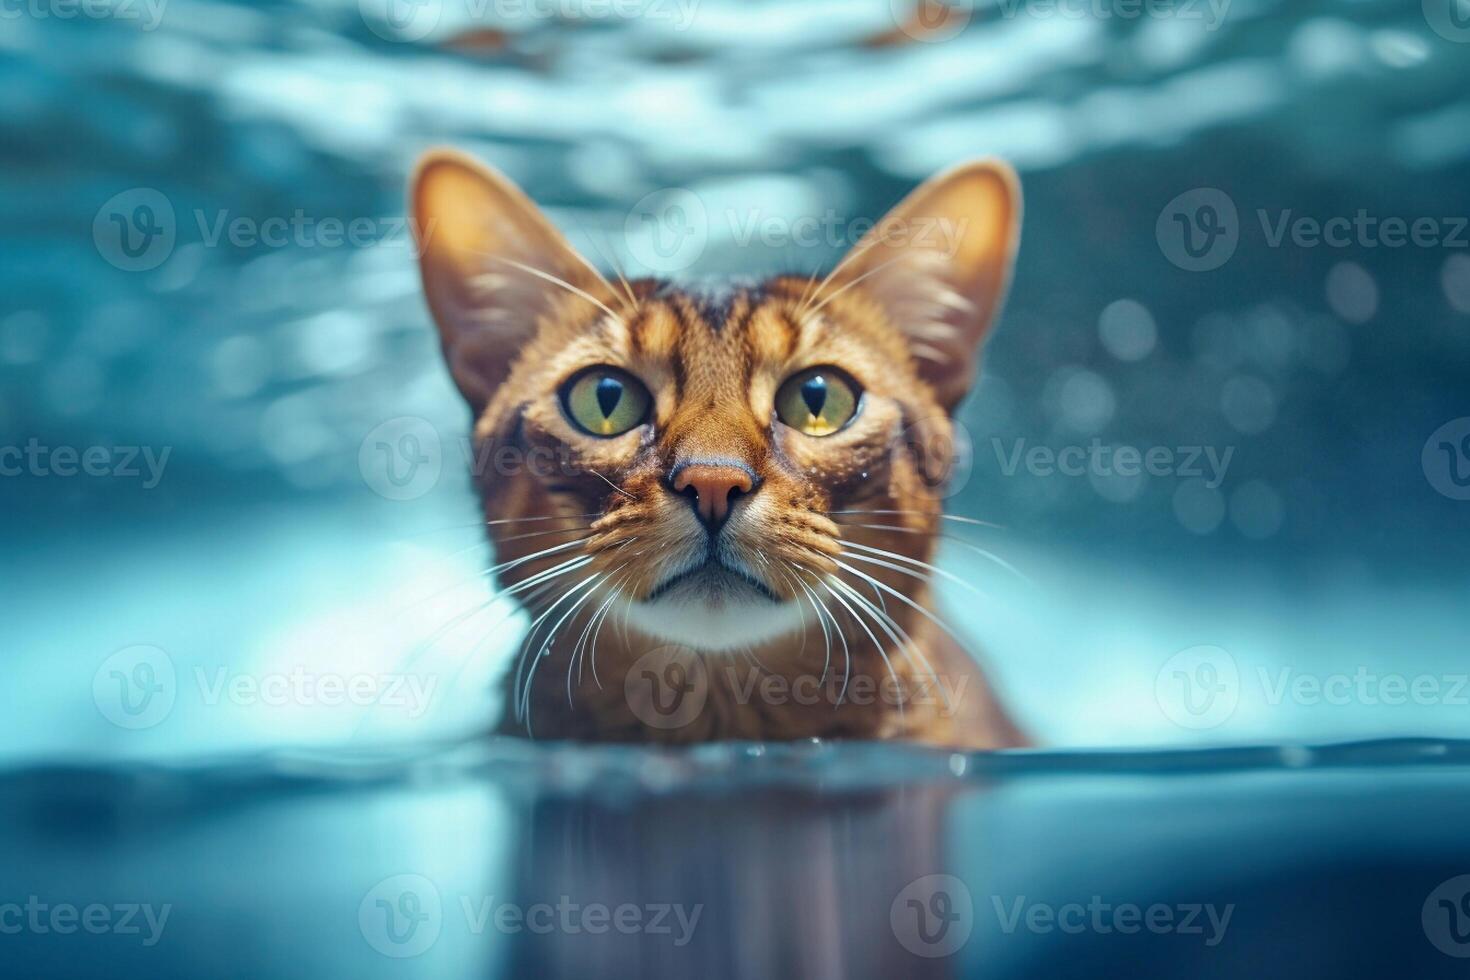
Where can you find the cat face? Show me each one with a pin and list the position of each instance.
(701, 450)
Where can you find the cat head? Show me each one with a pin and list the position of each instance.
(705, 453)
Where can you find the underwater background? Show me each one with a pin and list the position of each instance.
(1218, 465)
(206, 272)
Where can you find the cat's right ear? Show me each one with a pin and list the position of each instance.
(490, 262)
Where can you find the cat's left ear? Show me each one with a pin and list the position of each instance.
(939, 264)
(494, 268)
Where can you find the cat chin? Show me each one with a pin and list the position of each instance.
(716, 627)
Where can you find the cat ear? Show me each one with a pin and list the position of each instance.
(491, 262)
(938, 264)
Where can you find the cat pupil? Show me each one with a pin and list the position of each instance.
(609, 393)
(814, 393)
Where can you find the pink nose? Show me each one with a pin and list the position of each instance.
(712, 485)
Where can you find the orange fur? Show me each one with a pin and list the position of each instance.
(902, 320)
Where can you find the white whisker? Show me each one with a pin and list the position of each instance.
(556, 281)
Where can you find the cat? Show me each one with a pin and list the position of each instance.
(733, 540)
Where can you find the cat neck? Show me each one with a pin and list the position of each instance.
(837, 676)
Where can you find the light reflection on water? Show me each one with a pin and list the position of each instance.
(787, 861)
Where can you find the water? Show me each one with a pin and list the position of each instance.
(250, 537)
(767, 861)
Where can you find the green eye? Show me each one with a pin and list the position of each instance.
(817, 401)
(604, 401)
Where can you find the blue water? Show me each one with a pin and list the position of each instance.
(1322, 549)
(783, 861)
(1314, 593)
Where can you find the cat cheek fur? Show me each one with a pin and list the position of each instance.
(584, 525)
